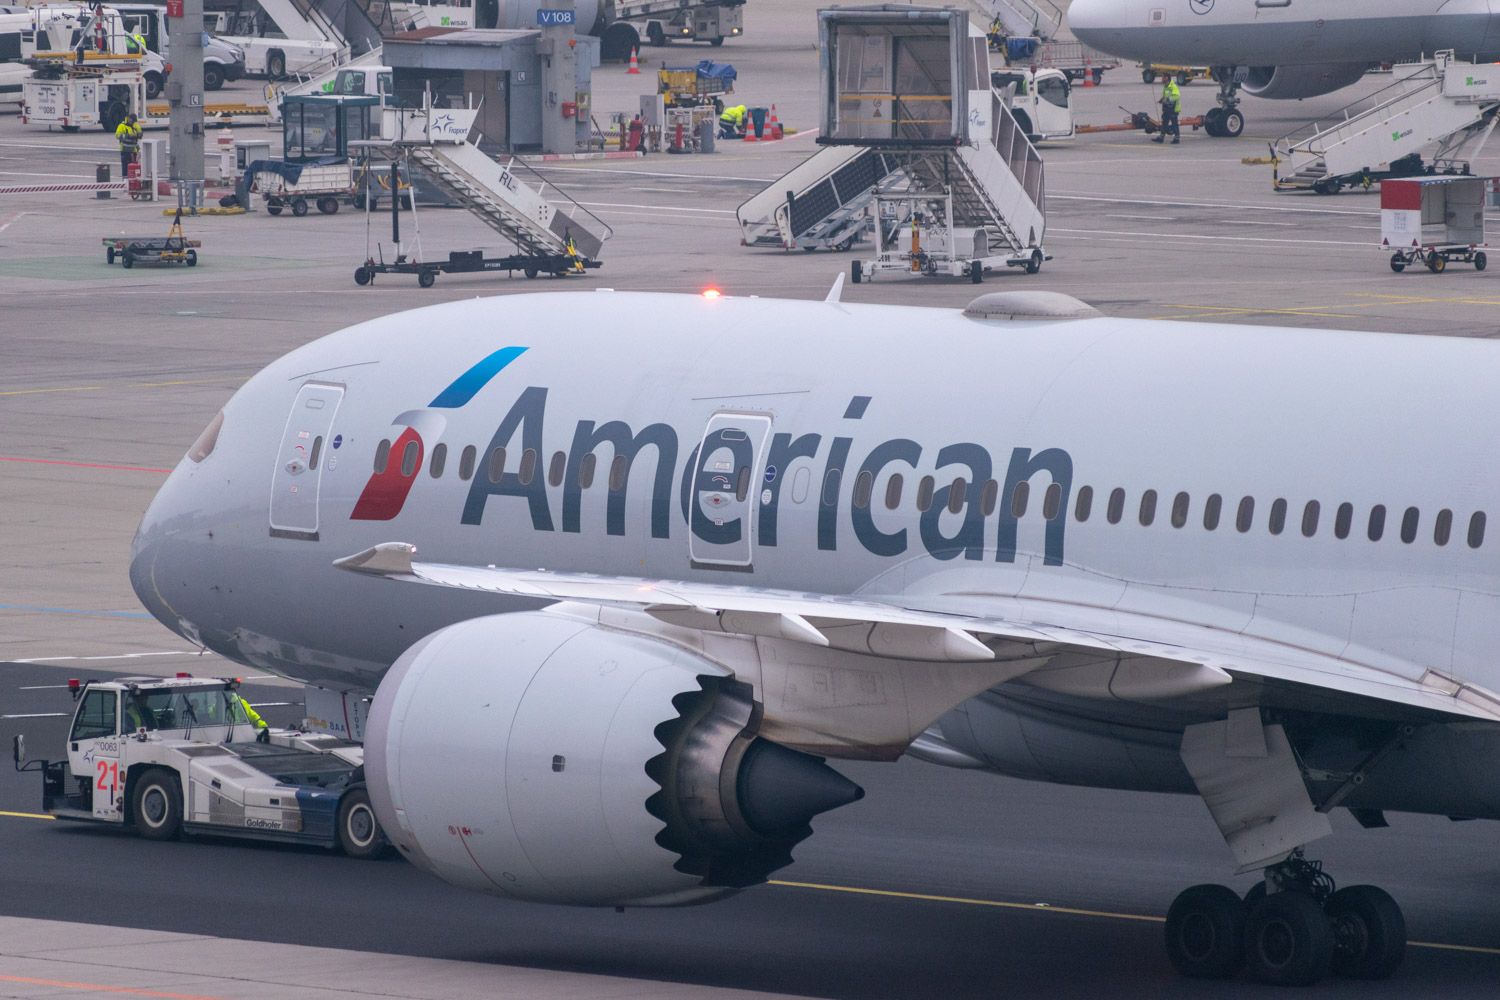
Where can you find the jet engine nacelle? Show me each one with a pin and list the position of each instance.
(540, 757)
(1286, 83)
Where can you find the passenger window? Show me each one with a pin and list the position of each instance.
(956, 495)
(1019, 498)
(409, 456)
(382, 457)
(1212, 507)
(893, 491)
(1148, 508)
(497, 465)
(1442, 528)
(924, 493)
(439, 459)
(1476, 529)
(1409, 525)
(989, 498)
(617, 474)
(1377, 522)
(1278, 516)
(97, 716)
(1180, 510)
(1116, 506)
(317, 452)
(558, 468)
(1052, 501)
(1342, 520)
(864, 485)
(528, 467)
(586, 470)
(831, 487)
(466, 462)
(1084, 504)
(742, 486)
(1310, 519)
(1244, 519)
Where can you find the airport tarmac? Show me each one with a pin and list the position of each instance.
(938, 883)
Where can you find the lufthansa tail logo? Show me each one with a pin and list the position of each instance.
(1201, 6)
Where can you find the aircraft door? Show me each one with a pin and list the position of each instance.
(300, 461)
(727, 474)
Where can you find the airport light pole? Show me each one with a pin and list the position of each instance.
(185, 95)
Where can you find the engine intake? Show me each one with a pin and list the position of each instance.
(1283, 83)
(540, 757)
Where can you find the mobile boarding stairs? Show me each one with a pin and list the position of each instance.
(551, 233)
(917, 147)
(1440, 102)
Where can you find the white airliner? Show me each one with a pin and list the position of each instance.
(621, 568)
(1284, 49)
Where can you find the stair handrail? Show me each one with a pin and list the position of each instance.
(1373, 103)
(543, 183)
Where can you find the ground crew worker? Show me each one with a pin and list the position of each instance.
(135, 43)
(732, 122)
(128, 132)
(1171, 107)
(253, 716)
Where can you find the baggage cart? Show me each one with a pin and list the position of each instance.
(173, 248)
(1433, 220)
(298, 185)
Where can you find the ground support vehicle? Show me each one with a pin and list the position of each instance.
(1041, 101)
(1076, 60)
(915, 235)
(295, 186)
(695, 86)
(665, 21)
(1160, 72)
(472, 262)
(270, 53)
(101, 90)
(174, 248)
(1433, 220)
(179, 755)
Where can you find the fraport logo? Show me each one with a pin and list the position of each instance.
(1398, 136)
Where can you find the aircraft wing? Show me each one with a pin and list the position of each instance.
(1152, 657)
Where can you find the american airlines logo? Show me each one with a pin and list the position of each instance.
(960, 517)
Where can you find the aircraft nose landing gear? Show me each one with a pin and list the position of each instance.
(1290, 930)
(1225, 121)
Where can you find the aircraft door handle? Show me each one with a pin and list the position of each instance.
(1273, 3)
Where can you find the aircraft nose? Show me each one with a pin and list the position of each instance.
(152, 538)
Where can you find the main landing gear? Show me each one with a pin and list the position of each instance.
(1290, 930)
(1225, 121)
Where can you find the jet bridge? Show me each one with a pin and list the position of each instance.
(909, 120)
(1442, 103)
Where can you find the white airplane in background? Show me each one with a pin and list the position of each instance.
(1284, 49)
(622, 569)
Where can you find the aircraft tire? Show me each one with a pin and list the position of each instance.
(156, 805)
(1369, 932)
(1147, 76)
(358, 830)
(1206, 932)
(1288, 940)
(1232, 123)
(1213, 122)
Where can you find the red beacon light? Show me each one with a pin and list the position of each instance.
(712, 293)
(183, 673)
(73, 684)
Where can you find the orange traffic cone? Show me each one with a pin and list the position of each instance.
(635, 66)
(773, 127)
(1088, 74)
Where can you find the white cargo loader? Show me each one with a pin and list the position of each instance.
(180, 755)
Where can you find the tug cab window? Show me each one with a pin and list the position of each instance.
(96, 716)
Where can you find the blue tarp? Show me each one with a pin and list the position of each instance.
(722, 71)
(1020, 49)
